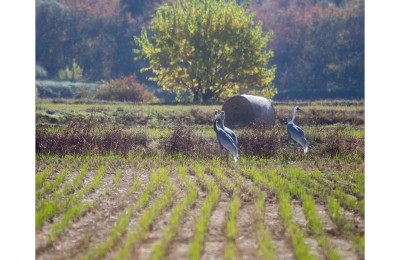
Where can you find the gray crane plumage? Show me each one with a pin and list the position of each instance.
(224, 139)
(226, 129)
(296, 133)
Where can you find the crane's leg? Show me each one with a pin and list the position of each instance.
(227, 156)
(221, 154)
(295, 146)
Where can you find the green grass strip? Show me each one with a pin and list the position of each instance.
(341, 222)
(359, 243)
(265, 246)
(298, 177)
(202, 221)
(234, 205)
(309, 209)
(283, 184)
(301, 250)
(144, 222)
(158, 178)
(51, 186)
(316, 226)
(277, 183)
(78, 180)
(67, 188)
(117, 177)
(170, 232)
(76, 210)
(66, 218)
(51, 207)
(41, 177)
(230, 248)
(135, 185)
(336, 215)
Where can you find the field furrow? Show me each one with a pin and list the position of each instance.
(137, 233)
(279, 237)
(93, 225)
(137, 196)
(179, 248)
(215, 237)
(246, 241)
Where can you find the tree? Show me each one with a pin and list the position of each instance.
(318, 47)
(209, 49)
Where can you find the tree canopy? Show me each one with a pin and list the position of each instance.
(208, 49)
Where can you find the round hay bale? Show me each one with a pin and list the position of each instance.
(243, 109)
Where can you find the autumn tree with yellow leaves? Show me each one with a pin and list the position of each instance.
(210, 49)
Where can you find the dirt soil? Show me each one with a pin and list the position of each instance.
(93, 227)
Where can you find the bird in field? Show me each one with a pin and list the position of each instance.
(224, 140)
(226, 129)
(295, 132)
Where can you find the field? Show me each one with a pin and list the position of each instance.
(127, 181)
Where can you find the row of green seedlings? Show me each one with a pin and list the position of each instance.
(352, 182)
(81, 207)
(48, 206)
(300, 178)
(146, 218)
(55, 194)
(234, 206)
(335, 198)
(202, 221)
(158, 179)
(265, 246)
(76, 206)
(340, 222)
(44, 187)
(356, 178)
(308, 203)
(174, 224)
(282, 188)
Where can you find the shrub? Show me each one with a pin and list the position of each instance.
(260, 142)
(125, 89)
(180, 141)
(338, 144)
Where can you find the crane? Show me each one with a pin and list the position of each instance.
(227, 130)
(295, 132)
(224, 140)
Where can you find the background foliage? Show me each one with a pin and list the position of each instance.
(318, 45)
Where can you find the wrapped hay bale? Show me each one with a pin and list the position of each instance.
(243, 109)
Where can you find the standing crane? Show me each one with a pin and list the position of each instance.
(224, 140)
(295, 132)
(226, 129)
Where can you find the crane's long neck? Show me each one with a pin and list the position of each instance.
(294, 115)
(215, 123)
(222, 121)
